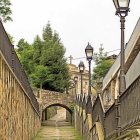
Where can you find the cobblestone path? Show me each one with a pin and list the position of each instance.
(57, 128)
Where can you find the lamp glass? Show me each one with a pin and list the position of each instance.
(75, 78)
(122, 7)
(123, 3)
(89, 53)
(81, 66)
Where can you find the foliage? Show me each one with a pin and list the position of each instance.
(98, 57)
(39, 76)
(5, 11)
(11, 38)
(25, 54)
(103, 64)
(72, 105)
(102, 68)
(44, 61)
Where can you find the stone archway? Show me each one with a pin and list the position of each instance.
(68, 112)
(61, 105)
(48, 98)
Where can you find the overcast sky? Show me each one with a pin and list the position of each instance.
(77, 22)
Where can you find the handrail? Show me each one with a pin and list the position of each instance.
(110, 121)
(130, 104)
(129, 109)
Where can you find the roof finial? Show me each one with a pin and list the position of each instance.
(70, 59)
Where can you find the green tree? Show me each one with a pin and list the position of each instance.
(47, 32)
(25, 53)
(98, 57)
(39, 76)
(103, 64)
(102, 68)
(5, 11)
(44, 61)
(53, 57)
(22, 45)
(38, 45)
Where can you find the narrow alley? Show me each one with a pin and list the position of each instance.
(57, 128)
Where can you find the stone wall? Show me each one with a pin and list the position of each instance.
(51, 112)
(50, 98)
(69, 117)
(18, 118)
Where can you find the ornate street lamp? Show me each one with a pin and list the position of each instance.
(89, 56)
(122, 9)
(81, 70)
(75, 81)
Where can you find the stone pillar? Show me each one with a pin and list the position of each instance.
(113, 90)
(75, 118)
(68, 116)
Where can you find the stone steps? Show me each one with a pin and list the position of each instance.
(55, 123)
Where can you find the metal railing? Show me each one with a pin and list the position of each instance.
(110, 121)
(130, 105)
(11, 57)
(129, 108)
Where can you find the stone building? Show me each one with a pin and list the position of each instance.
(74, 72)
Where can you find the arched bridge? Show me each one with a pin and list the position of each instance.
(47, 98)
(52, 98)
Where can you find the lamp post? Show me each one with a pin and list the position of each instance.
(81, 70)
(122, 9)
(89, 56)
(75, 81)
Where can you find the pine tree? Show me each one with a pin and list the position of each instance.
(47, 32)
(44, 61)
(37, 50)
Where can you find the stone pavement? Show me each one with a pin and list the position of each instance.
(57, 128)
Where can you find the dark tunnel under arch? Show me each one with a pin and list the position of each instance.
(61, 105)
